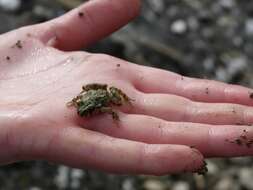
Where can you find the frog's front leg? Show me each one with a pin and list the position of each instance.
(109, 110)
(74, 102)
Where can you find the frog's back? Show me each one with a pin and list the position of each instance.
(93, 100)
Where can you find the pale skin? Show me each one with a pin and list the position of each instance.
(170, 113)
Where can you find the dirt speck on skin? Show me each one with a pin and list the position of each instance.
(242, 140)
(18, 44)
(251, 95)
(207, 90)
(203, 169)
(80, 14)
(238, 142)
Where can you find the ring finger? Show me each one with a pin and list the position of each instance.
(225, 140)
(176, 108)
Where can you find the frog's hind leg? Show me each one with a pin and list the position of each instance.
(118, 96)
(109, 110)
(94, 86)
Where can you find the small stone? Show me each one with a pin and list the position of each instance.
(249, 27)
(61, 179)
(181, 185)
(236, 65)
(154, 185)
(245, 176)
(222, 74)
(207, 32)
(226, 183)
(227, 3)
(238, 41)
(10, 5)
(178, 27)
(128, 185)
(212, 168)
(43, 12)
(193, 23)
(76, 176)
(209, 64)
(157, 6)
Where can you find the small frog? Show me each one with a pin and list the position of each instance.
(98, 98)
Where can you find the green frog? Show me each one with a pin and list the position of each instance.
(98, 98)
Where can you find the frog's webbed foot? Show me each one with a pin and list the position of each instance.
(94, 86)
(109, 110)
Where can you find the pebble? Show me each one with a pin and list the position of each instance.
(10, 5)
(222, 74)
(128, 184)
(34, 188)
(208, 64)
(178, 27)
(249, 26)
(157, 6)
(181, 185)
(154, 185)
(226, 183)
(43, 12)
(245, 176)
(193, 23)
(227, 3)
(76, 177)
(212, 168)
(236, 65)
(61, 179)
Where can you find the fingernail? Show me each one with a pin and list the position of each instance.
(199, 165)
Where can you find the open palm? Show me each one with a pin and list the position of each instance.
(170, 114)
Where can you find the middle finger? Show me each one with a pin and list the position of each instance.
(176, 108)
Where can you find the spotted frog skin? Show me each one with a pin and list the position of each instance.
(96, 99)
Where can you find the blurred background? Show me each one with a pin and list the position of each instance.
(200, 38)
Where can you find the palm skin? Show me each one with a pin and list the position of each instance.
(154, 136)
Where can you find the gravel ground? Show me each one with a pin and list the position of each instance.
(200, 38)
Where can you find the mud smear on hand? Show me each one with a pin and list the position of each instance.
(243, 140)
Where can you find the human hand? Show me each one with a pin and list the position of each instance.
(154, 135)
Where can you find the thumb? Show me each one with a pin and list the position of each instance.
(87, 24)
